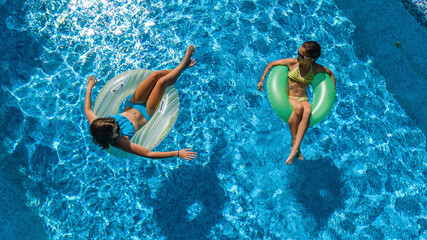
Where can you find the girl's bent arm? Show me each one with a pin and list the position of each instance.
(284, 62)
(90, 115)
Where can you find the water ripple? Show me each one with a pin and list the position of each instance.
(364, 173)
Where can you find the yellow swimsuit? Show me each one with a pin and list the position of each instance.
(296, 76)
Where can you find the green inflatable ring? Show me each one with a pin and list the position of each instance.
(323, 95)
(118, 89)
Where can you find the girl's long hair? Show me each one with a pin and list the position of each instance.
(102, 131)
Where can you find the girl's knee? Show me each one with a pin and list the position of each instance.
(155, 74)
(306, 113)
(298, 110)
(163, 82)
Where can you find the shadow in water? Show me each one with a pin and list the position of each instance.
(19, 56)
(317, 185)
(189, 203)
(19, 50)
(398, 45)
(16, 220)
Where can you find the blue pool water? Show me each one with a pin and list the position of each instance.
(364, 176)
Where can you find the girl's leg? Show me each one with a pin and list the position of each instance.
(168, 80)
(295, 118)
(144, 89)
(302, 128)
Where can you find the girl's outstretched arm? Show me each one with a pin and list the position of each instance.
(124, 144)
(90, 115)
(284, 62)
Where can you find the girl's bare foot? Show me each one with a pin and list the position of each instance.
(190, 63)
(187, 61)
(300, 156)
(291, 157)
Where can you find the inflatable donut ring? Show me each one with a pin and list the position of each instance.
(323, 95)
(118, 89)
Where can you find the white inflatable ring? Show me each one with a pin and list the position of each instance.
(118, 89)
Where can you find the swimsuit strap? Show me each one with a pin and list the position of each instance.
(311, 70)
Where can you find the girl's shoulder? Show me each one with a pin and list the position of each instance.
(292, 62)
(285, 62)
(317, 68)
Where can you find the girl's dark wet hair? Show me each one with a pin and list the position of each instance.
(102, 130)
(313, 49)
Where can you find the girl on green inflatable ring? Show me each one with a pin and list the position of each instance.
(301, 72)
(117, 130)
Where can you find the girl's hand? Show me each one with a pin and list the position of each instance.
(260, 85)
(91, 81)
(186, 154)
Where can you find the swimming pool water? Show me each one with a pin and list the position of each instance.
(364, 173)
